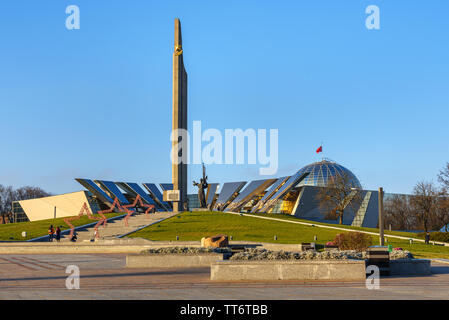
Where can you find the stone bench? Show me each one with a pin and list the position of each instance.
(172, 260)
(345, 270)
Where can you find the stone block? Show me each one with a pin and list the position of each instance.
(172, 260)
(344, 270)
(410, 267)
(218, 241)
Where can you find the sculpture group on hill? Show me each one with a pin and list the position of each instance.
(202, 186)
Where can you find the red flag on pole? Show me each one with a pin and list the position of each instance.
(320, 149)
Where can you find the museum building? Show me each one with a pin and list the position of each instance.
(295, 195)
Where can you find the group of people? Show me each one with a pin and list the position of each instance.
(54, 234)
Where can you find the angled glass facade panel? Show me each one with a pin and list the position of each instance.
(291, 182)
(157, 195)
(137, 190)
(96, 191)
(227, 192)
(271, 191)
(211, 190)
(153, 189)
(166, 186)
(251, 190)
(274, 188)
(113, 189)
(124, 186)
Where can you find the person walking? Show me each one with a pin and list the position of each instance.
(427, 238)
(51, 232)
(96, 235)
(58, 234)
(74, 237)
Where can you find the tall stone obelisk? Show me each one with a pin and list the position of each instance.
(179, 170)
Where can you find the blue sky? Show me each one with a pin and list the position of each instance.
(96, 102)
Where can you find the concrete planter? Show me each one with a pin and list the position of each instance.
(288, 270)
(172, 260)
(410, 267)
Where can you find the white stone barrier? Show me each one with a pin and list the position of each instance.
(172, 260)
(346, 270)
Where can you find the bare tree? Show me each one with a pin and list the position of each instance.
(2, 212)
(8, 195)
(443, 176)
(442, 210)
(28, 192)
(398, 212)
(339, 195)
(424, 202)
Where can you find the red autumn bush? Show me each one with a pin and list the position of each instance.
(352, 241)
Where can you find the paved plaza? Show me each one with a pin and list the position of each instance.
(104, 276)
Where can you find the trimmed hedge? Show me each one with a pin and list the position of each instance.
(352, 241)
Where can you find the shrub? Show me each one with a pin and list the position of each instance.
(353, 241)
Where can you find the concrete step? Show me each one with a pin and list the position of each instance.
(117, 227)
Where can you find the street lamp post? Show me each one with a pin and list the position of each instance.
(381, 216)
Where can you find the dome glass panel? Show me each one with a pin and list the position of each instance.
(320, 173)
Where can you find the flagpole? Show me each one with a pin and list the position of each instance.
(322, 158)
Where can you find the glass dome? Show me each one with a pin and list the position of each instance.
(322, 171)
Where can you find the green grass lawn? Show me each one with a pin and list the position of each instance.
(293, 218)
(195, 225)
(34, 229)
